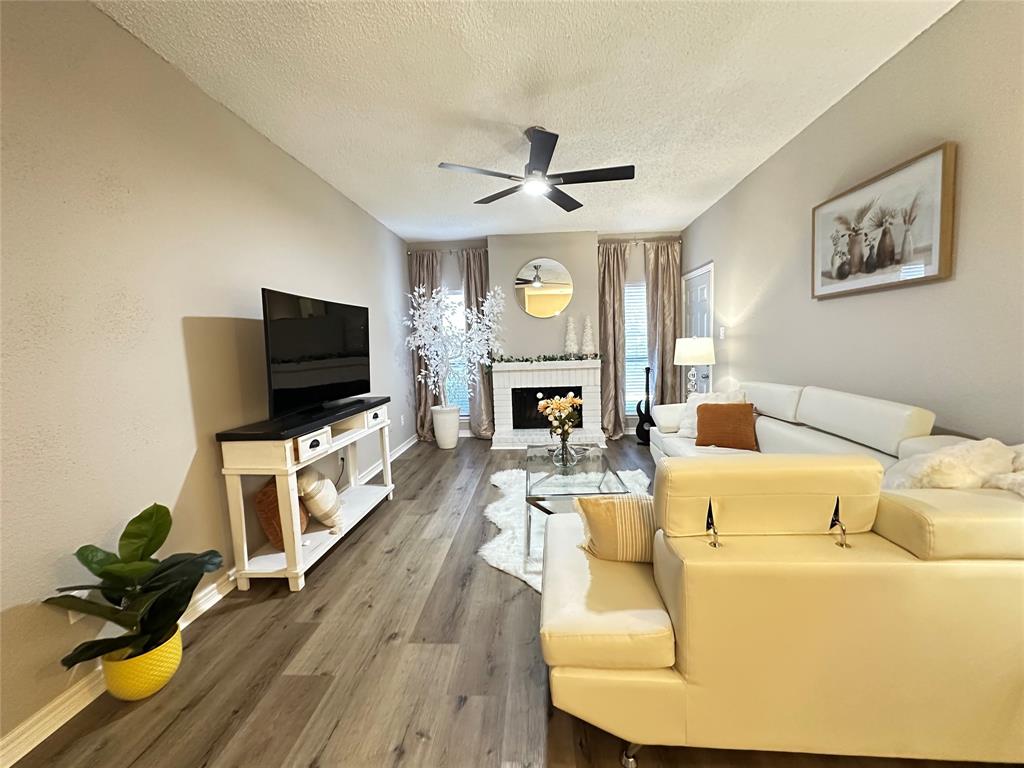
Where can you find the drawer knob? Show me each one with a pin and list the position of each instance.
(376, 415)
(314, 443)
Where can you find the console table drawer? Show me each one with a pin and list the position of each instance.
(313, 444)
(376, 416)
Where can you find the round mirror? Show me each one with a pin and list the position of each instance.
(543, 288)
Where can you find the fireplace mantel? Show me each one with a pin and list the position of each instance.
(586, 374)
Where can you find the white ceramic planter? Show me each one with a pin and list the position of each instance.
(446, 425)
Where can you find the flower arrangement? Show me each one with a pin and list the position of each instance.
(562, 414)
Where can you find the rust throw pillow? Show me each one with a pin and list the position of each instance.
(726, 425)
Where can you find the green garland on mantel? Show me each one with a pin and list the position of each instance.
(546, 358)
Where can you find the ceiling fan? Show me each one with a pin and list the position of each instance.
(536, 280)
(537, 181)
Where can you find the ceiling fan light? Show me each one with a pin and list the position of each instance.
(535, 186)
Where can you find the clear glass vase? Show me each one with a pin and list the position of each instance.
(564, 454)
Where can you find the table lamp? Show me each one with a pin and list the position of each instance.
(692, 351)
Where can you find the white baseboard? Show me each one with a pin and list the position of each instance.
(395, 453)
(32, 732)
(29, 734)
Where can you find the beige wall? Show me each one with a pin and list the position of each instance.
(530, 336)
(140, 220)
(956, 347)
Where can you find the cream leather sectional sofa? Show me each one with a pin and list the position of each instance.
(814, 420)
(908, 643)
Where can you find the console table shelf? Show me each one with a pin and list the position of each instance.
(281, 449)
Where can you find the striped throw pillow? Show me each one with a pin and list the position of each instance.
(619, 527)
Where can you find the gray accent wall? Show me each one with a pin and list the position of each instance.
(955, 347)
(140, 220)
(526, 336)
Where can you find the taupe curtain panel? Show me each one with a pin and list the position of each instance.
(475, 282)
(663, 270)
(425, 270)
(611, 297)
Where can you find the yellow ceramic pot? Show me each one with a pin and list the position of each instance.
(142, 676)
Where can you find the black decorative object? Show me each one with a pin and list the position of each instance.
(643, 412)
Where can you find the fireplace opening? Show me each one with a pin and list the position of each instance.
(524, 405)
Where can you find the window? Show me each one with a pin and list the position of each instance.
(636, 344)
(458, 391)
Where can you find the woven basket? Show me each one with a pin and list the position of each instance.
(269, 517)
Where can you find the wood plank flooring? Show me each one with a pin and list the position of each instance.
(404, 649)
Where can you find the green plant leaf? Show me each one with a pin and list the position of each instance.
(141, 602)
(180, 575)
(128, 573)
(184, 565)
(155, 641)
(92, 649)
(145, 533)
(94, 558)
(126, 619)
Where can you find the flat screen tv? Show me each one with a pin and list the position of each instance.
(318, 351)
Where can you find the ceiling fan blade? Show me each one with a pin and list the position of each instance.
(617, 173)
(498, 195)
(542, 147)
(481, 171)
(562, 200)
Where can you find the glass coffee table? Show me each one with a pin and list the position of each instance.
(551, 488)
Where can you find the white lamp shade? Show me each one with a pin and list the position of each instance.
(695, 350)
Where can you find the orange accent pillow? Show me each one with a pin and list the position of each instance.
(726, 425)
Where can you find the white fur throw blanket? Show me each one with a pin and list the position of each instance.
(971, 464)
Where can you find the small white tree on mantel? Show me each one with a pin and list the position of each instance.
(441, 343)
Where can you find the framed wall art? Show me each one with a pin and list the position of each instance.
(891, 231)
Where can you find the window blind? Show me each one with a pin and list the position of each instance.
(636, 344)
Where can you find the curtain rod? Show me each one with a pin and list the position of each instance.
(641, 241)
(634, 241)
(446, 250)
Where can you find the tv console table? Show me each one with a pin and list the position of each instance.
(282, 447)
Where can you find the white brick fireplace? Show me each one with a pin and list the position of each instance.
(583, 376)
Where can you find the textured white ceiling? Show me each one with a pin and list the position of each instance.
(371, 96)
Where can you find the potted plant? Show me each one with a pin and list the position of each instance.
(442, 342)
(562, 414)
(855, 229)
(142, 594)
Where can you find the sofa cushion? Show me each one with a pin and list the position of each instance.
(776, 400)
(618, 527)
(674, 445)
(913, 446)
(688, 422)
(947, 524)
(774, 436)
(667, 417)
(726, 425)
(756, 494)
(597, 613)
(880, 424)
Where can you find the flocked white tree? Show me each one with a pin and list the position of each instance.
(441, 343)
(587, 346)
(572, 345)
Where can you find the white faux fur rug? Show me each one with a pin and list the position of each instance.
(505, 551)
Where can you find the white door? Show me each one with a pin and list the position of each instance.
(698, 311)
